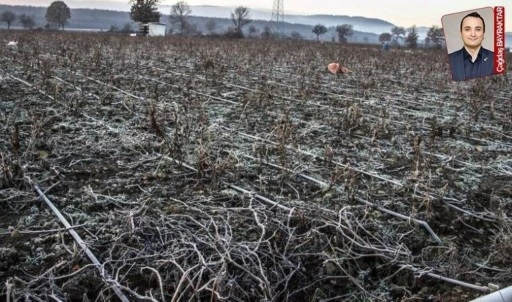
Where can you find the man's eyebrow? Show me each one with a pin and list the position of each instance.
(477, 27)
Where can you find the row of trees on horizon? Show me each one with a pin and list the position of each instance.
(145, 11)
(57, 15)
(434, 36)
(142, 11)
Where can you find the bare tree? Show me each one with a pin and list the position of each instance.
(397, 32)
(385, 37)
(435, 35)
(179, 15)
(344, 31)
(412, 37)
(8, 17)
(211, 26)
(318, 30)
(294, 35)
(27, 21)
(127, 28)
(253, 31)
(266, 33)
(240, 18)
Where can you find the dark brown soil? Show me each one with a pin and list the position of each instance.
(240, 170)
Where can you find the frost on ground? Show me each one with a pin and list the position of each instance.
(241, 170)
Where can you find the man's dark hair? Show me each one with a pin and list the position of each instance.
(475, 15)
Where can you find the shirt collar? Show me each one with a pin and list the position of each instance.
(467, 55)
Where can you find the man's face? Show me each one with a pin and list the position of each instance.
(472, 32)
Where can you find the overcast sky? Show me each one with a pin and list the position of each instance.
(399, 12)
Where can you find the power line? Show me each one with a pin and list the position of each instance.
(277, 20)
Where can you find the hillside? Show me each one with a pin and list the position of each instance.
(361, 24)
(103, 20)
(365, 29)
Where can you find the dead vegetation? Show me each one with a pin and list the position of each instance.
(217, 170)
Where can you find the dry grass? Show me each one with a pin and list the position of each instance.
(240, 170)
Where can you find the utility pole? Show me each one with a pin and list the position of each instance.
(277, 21)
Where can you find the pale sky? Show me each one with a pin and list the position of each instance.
(399, 12)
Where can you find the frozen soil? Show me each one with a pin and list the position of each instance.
(209, 169)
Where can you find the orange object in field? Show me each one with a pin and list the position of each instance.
(337, 68)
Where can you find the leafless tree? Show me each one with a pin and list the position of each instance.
(435, 35)
(398, 32)
(240, 17)
(179, 15)
(412, 37)
(253, 30)
(27, 21)
(8, 17)
(385, 37)
(318, 30)
(344, 31)
(211, 26)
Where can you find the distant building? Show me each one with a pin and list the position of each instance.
(152, 29)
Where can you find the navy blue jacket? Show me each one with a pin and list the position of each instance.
(463, 69)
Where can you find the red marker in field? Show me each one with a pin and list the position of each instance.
(337, 68)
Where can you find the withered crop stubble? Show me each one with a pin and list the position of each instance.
(201, 169)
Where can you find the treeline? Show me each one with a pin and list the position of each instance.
(80, 18)
(410, 37)
(107, 20)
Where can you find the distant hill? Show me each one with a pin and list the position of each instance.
(365, 29)
(361, 24)
(103, 20)
(375, 26)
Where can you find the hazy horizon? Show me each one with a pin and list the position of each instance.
(396, 12)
